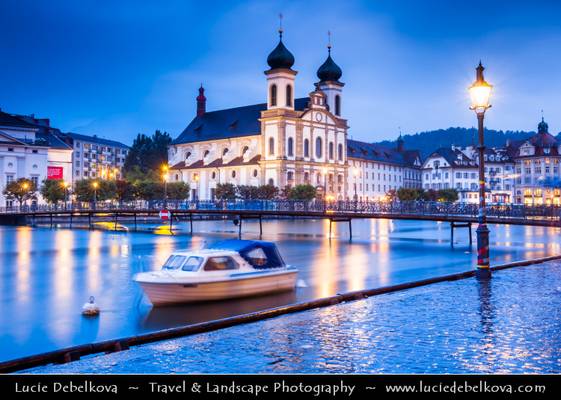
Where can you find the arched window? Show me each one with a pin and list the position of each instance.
(319, 150)
(331, 150)
(207, 152)
(288, 96)
(340, 152)
(337, 105)
(245, 150)
(225, 151)
(290, 147)
(271, 146)
(306, 177)
(273, 95)
(306, 148)
(255, 172)
(233, 174)
(271, 182)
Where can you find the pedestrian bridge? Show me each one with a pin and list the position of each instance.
(335, 211)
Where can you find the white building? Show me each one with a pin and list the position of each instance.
(30, 148)
(374, 170)
(96, 157)
(538, 176)
(457, 168)
(284, 142)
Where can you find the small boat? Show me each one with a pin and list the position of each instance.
(231, 269)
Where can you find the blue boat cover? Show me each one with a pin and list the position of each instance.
(245, 247)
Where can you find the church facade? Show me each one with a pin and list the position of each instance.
(284, 142)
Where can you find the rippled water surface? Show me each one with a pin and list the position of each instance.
(46, 275)
(511, 324)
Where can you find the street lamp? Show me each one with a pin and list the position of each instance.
(65, 187)
(95, 185)
(165, 170)
(480, 92)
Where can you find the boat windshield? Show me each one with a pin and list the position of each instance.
(193, 263)
(174, 262)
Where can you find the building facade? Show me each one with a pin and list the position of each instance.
(375, 170)
(287, 141)
(538, 176)
(284, 142)
(30, 148)
(95, 157)
(457, 168)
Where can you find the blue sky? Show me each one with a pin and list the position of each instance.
(117, 68)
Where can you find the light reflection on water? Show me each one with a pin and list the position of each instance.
(47, 275)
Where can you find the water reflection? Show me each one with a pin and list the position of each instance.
(60, 269)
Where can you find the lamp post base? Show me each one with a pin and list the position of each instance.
(482, 271)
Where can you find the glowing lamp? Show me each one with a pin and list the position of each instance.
(480, 92)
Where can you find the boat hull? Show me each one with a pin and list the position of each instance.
(160, 293)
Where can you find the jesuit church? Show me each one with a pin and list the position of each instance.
(284, 142)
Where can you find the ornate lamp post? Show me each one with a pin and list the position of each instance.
(355, 174)
(480, 92)
(65, 186)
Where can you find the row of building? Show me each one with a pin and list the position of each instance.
(31, 148)
(288, 141)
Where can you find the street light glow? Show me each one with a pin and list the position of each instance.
(480, 92)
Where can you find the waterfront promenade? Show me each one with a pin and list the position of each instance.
(510, 324)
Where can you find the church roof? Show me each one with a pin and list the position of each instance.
(280, 57)
(329, 71)
(229, 123)
(379, 153)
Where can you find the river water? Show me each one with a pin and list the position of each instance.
(48, 274)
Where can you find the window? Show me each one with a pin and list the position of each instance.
(257, 257)
(290, 175)
(207, 152)
(340, 152)
(271, 146)
(220, 264)
(331, 150)
(214, 175)
(290, 146)
(337, 105)
(255, 173)
(225, 151)
(318, 147)
(288, 96)
(233, 174)
(193, 264)
(271, 182)
(306, 148)
(273, 95)
(245, 150)
(174, 262)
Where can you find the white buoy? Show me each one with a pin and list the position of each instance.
(90, 308)
(301, 283)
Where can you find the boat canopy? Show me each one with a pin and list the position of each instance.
(261, 255)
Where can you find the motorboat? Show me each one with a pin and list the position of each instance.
(231, 269)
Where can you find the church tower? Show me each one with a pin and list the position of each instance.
(329, 74)
(280, 77)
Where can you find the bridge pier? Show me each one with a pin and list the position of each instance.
(349, 220)
(454, 225)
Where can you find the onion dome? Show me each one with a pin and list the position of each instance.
(543, 127)
(329, 71)
(280, 57)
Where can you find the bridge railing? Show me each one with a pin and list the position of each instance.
(427, 208)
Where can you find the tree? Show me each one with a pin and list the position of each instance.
(448, 195)
(406, 194)
(148, 153)
(267, 192)
(22, 190)
(247, 192)
(429, 195)
(124, 191)
(53, 190)
(149, 190)
(85, 191)
(302, 192)
(225, 191)
(391, 195)
(178, 190)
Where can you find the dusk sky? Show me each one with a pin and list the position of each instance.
(117, 68)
